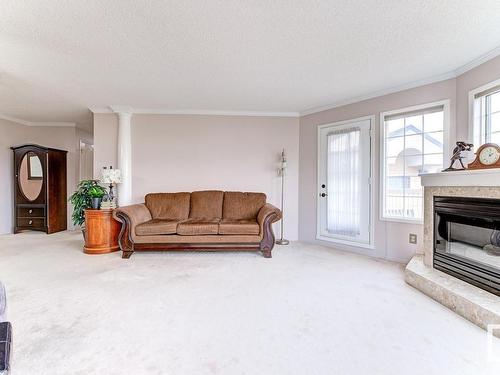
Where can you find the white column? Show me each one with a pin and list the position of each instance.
(124, 156)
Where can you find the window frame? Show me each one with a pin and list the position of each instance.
(472, 94)
(446, 142)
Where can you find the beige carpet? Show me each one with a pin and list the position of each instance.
(309, 310)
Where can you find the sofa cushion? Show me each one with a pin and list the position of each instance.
(242, 206)
(168, 206)
(239, 227)
(195, 227)
(156, 226)
(206, 204)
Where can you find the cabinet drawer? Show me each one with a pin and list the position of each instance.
(37, 223)
(31, 212)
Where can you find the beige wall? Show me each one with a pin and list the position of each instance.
(391, 238)
(14, 134)
(195, 152)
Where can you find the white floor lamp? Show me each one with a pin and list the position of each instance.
(281, 173)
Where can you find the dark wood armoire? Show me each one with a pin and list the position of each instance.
(40, 195)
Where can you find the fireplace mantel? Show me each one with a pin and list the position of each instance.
(477, 177)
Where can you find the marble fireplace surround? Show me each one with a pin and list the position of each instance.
(476, 305)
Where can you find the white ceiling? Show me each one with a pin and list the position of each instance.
(58, 58)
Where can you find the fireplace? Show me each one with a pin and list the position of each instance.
(458, 263)
(467, 240)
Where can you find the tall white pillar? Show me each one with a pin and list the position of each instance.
(124, 154)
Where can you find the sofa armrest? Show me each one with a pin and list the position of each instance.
(130, 217)
(136, 214)
(268, 214)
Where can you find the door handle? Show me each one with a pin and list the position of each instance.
(324, 194)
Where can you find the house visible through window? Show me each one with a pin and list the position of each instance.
(412, 143)
(486, 114)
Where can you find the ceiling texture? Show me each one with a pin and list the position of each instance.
(60, 58)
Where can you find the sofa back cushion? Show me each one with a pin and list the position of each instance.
(168, 206)
(242, 206)
(206, 204)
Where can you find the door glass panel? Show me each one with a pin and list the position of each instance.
(344, 181)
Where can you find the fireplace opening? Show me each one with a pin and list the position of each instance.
(467, 240)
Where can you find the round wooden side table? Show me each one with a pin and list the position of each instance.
(101, 232)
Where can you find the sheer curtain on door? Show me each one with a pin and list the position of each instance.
(344, 182)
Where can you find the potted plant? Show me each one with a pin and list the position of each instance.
(82, 199)
(96, 192)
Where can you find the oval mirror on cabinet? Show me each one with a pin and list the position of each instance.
(40, 180)
(31, 176)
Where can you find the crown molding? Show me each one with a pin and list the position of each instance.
(426, 81)
(215, 112)
(37, 123)
(100, 110)
(15, 120)
(376, 94)
(478, 61)
(54, 123)
(152, 111)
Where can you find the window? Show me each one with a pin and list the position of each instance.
(412, 142)
(486, 114)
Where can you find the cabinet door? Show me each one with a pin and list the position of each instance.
(57, 193)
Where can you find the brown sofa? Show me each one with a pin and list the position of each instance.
(201, 220)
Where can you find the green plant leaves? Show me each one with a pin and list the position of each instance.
(81, 199)
(97, 191)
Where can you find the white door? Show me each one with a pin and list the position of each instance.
(344, 182)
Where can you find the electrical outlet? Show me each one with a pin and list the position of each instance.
(412, 238)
